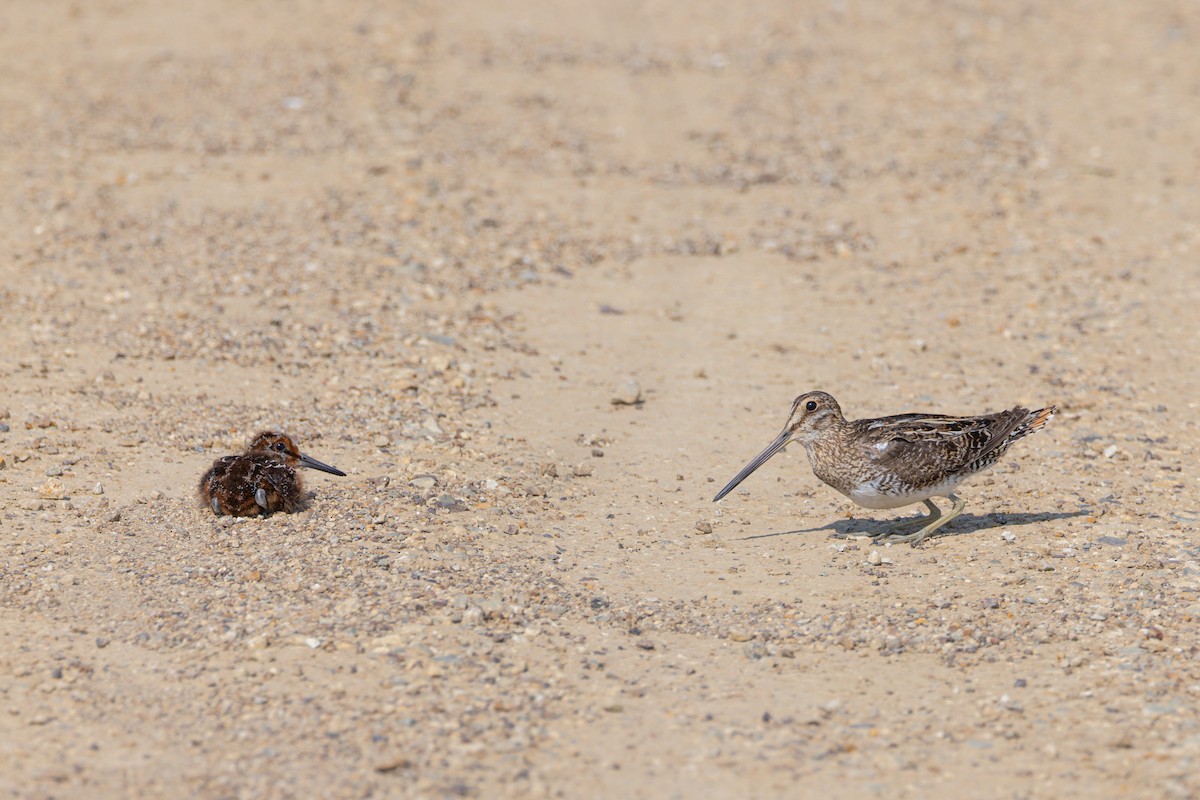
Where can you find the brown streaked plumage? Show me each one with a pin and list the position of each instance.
(895, 461)
(261, 480)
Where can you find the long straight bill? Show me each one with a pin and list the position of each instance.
(774, 447)
(312, 463)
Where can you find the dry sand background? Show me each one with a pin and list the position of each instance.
(430, 239)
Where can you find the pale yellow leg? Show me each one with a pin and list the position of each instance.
(933, 522)
(919, 521)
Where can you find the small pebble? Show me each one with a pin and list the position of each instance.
(755, 651)
(98, 488)
(1111, 451)
(423, 482)
(394, 763)
(704, 527)
(448, 501)
(1008, 536)
(628, 393)
(1009, 704)
(874, 559)
(381, 441)
(54, 472)
(832, 707)
(52, 489)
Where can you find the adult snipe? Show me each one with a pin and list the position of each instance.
(895, 461)
(261, 480)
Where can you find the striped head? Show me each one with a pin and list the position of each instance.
(814, 415)
(283, 448)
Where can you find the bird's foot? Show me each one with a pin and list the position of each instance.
(935, 520)
(909, 525)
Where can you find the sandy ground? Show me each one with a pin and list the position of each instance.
(433, 241)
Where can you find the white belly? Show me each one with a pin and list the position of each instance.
(872, 495)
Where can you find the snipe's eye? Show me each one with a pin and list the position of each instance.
(280, 446)
(811, 405)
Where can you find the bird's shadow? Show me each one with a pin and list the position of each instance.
(959, 526)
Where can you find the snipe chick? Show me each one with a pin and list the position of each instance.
(891, 462)
(261, 480)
